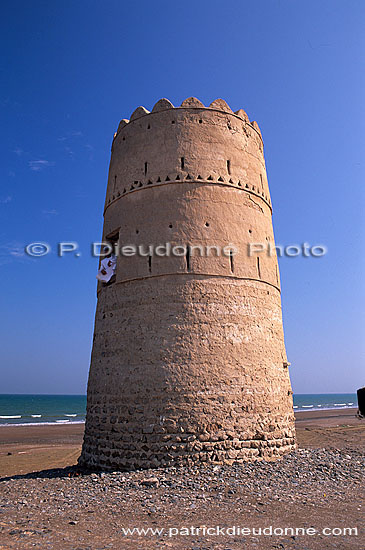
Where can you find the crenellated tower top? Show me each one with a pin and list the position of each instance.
(189, 103)
(191, 143)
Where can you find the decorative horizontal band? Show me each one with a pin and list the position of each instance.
(190, 274)
(210, 180)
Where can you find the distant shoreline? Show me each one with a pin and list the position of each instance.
(300, 415)
(29, 410)
(322, 414)
(32, 424)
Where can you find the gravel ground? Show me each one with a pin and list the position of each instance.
(71, 509)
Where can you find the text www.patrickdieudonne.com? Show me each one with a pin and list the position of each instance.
(234, 530)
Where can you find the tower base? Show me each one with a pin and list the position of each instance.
(162, 394)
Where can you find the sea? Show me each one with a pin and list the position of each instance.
(30, 410)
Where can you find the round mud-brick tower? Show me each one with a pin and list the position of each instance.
(188, 362)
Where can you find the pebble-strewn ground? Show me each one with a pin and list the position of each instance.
(67, 509)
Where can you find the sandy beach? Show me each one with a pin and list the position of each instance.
(25, 449)
(59, 507)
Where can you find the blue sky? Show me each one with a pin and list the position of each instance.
(71, 70)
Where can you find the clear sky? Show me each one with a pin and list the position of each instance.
(71, 70)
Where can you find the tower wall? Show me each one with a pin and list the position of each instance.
(188, 360)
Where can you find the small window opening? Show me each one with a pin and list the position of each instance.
(200, 121)
(258, 267)
(170, 225)
(149, 126)
(113, 240)
(145, 168)
(150, 264)
(172, 122)
(206, 224)
(115, 183)
(187, 257)
(182, 160)
(231, 261)
(229, 167)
